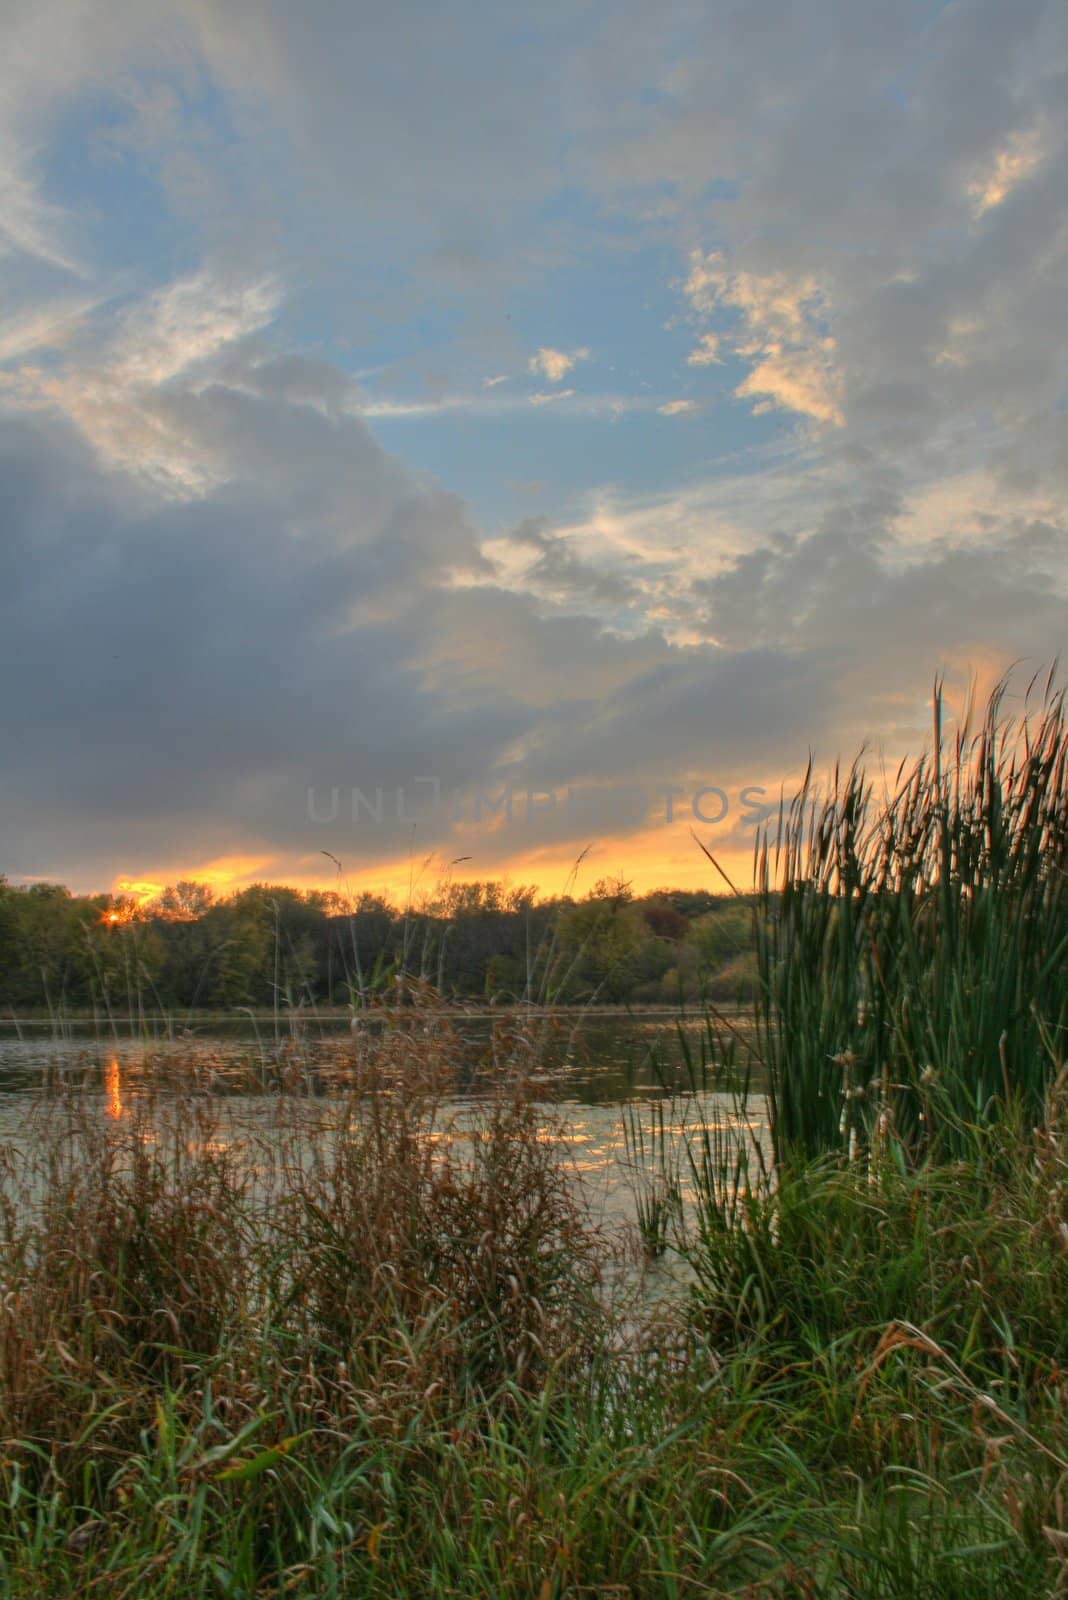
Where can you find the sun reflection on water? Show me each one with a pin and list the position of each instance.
(113, 1088)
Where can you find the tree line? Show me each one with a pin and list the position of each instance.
(270, 944)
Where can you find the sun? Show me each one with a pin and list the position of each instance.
(114, 916)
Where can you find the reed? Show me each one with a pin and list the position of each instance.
(913, 941)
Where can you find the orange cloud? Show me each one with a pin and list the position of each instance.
(220, 873)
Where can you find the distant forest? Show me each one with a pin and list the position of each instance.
(269, 945)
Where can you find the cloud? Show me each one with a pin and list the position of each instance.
(188, 322)
(792, 380)
(221, 649)
(1016, 161)
(298, 624)
(558, 573)
(30, 226)
(556, 364)
(678, 408)
(46, 324)
(706, 351)
(855, 161)
(120, 386)
(781, 329)
(51, 53)
(545, 397)
(306, 612)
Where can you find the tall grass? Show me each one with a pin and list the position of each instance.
(354, 1346)
(906, 1329)
(913, 940)
(238, 1356)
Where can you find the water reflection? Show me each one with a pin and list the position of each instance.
(621, 1098)
(113, 1088)
(592, 1060)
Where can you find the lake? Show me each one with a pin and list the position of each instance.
(619, 1091)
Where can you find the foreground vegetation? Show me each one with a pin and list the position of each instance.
(358, 1347)
(374, 1362)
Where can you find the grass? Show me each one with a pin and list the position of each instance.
(358, 1347)
(343, 1353)
(909, 1328)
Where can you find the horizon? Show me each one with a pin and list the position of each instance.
(430, 901)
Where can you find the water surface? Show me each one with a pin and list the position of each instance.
(619, 1093)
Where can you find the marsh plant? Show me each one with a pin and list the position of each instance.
(912, 940)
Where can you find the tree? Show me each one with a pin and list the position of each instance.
(600, 938)
(184, 901)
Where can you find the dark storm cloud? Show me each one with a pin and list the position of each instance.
(159, 657)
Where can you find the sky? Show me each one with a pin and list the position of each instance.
(508, 431)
